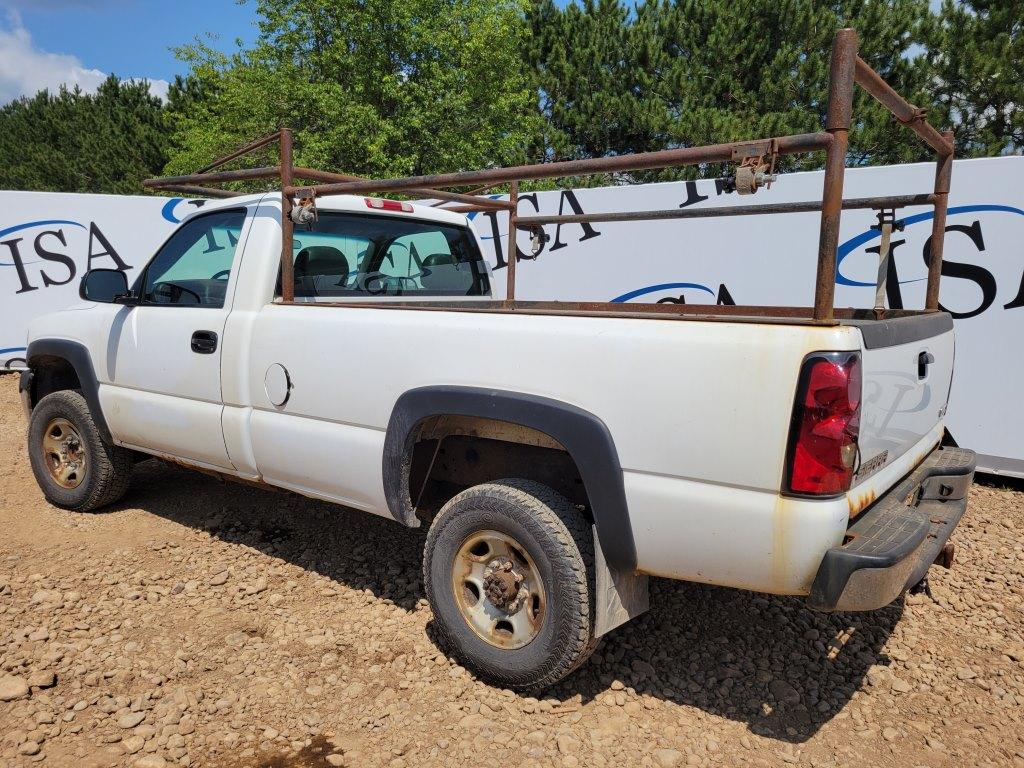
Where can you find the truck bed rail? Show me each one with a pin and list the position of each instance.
(755, 164)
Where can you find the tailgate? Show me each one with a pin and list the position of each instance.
(907, 368)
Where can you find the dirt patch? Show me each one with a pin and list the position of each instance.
(206, 624)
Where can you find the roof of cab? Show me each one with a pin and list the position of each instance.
(345, 203)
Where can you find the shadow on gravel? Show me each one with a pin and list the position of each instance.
(350, 547)
(1000, 482)
(313, 756)
(765, 661)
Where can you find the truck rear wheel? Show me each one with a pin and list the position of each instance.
(508, 572)
(75, 468)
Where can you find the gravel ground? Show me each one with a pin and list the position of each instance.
(208, 624)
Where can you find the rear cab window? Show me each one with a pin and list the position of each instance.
(358, 256)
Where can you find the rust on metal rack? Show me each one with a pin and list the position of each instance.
(846, 71)
(911, 116)
(513, 251)
(943, 174)
(460, 197)
(810, 206)
(666, 158)
(252, 146)
(287, 225)
(217, 177)
(708, 312)
(837, 124)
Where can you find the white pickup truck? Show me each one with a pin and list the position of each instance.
(765, 454)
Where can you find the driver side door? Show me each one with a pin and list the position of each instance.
(164, 392)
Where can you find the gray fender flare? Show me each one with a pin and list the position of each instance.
(583, 434)
(77, 356)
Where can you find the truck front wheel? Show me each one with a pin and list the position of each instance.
(508, 572)
(75, 468)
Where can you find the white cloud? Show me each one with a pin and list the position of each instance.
(24, 69)
(158, 88)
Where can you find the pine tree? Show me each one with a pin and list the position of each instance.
(686, 72)
(595, 92)
(71, 141)
(977, 55)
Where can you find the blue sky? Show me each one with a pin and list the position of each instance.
(44, 43)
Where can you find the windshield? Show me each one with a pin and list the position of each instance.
(355, 255)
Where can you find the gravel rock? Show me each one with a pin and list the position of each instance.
(29, 748)
(42, 679)
(13, 687)
(207, 624)
(133, 744)
(783, 692)
(667, 758)
(131, 720)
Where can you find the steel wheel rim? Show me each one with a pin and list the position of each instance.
(64, 453)
(498, 589)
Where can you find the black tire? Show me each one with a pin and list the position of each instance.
(557, 537)
(107, 467)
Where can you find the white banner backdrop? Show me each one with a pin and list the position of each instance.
(47, 241)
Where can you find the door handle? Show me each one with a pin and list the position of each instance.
(923, 361)
(204, 342)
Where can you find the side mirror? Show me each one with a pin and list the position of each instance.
(109, 286)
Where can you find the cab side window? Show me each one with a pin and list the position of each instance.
(193, 266)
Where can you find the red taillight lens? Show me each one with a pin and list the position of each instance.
(826, 422)
(381, 204)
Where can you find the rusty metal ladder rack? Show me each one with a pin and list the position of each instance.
(847, 70)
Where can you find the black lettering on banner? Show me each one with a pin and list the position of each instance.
(532, 198)
(973, 272)
(59, 258)
(1018, 300)
(568, 196)
(724, 297)
(12, 245)
(108, 249)
(893, 293)
(496, 232)
(692, 195)
(499, 257)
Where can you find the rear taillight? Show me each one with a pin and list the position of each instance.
(381, 204)
(826, 421)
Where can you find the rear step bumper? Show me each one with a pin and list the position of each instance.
(890, 547)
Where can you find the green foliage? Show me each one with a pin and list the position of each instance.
(977, 54)
(396, 87)
(691, 72)
(384, 88)
(75, 142)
